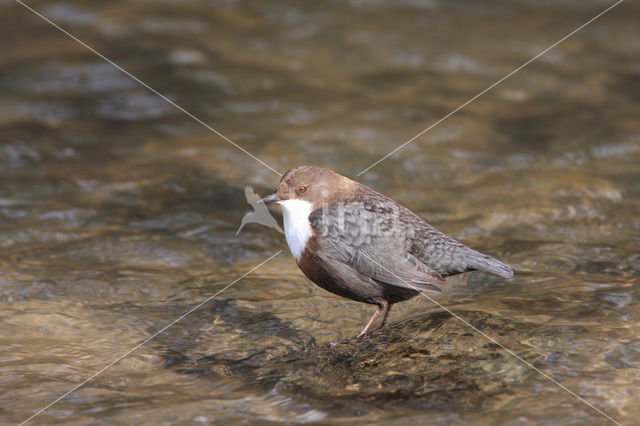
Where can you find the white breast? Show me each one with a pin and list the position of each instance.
(297, 228)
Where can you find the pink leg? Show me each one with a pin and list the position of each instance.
(384, 317)
(383, 309)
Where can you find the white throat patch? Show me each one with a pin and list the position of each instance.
(297, 228)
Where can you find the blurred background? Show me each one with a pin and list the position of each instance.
(118, 212)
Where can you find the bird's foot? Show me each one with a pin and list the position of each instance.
(363, 336)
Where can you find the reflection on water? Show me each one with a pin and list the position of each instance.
(119, 212)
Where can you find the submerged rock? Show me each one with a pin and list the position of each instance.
(433, 362)
(430, 362)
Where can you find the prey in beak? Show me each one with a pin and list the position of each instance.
(269, 199)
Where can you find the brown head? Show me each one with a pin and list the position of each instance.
(312, 184)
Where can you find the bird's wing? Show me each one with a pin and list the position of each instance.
(379, 254)
(407, 272)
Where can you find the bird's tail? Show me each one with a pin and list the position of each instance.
(485, 263)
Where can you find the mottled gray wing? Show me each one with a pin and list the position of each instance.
(368, 239)
(408, 272)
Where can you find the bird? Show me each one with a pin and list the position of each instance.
(260, 213)
(360, 244)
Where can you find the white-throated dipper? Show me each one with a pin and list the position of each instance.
(359, 244)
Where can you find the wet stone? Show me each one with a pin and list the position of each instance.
(431, 362)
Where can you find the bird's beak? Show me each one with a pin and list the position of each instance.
(269, 199)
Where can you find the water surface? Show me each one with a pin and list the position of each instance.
(119, 212)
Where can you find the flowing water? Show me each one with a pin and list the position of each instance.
(119, 212)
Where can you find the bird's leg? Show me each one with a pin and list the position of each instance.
(383, 308)
(365, 330)
(387, 309)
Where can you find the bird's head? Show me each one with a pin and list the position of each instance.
(310, 184)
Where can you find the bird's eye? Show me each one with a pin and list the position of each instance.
(302, 189)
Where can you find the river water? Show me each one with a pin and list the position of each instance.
(119, 212)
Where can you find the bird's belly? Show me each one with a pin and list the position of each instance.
(351, 289)
(343, 281)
